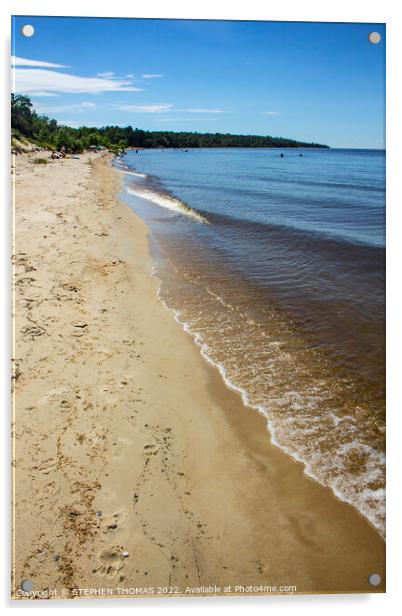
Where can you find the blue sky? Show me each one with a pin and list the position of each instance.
(309, 81)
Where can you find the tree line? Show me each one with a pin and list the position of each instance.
(47, 133)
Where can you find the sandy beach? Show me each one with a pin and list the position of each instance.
(136, 470)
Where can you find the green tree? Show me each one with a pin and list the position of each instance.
(21, 114)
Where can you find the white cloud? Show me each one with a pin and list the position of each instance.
(86, 105)
(168, 119)
(78, 107)
(162, 108)
(203, 110)
(106, 74)
(147, 108)
(271, 113)
(44, 94)
(77, 123)
(151, 75)
(16, 61)
(34, 81)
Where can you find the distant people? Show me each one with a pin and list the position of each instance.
(281, 155)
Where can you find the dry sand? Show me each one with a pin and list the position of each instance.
(134, 466)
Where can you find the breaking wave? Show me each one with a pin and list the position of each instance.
(165, 200)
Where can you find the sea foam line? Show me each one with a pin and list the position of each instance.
(359, 505)
(122, 168)
(166, 201)
(137, 174)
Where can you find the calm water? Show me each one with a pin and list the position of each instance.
(276, 267)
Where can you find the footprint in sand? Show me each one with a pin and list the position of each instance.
(33, 331)
(67, 286)
(47, 466)
(112, 561)
(151, 450)
(65, 404)
(114, 522)
(25, 282)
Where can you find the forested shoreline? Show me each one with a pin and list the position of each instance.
(48, 133)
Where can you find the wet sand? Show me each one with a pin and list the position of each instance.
(134, 466)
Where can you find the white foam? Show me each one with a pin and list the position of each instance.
(345, 487)
(122, 167)
(137, 174)
(165, 201)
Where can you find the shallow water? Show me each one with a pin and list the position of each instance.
(276, 267)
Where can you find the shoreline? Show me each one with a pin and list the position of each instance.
(130, 421)
(355, 476)
(269, 427)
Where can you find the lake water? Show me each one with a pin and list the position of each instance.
(276, 266)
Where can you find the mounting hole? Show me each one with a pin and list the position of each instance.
(375, 579)
(374, 38)
(27, 585)
(28, 30)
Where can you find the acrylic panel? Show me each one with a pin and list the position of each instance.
(199, 307)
